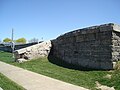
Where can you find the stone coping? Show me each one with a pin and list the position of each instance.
(93, 29)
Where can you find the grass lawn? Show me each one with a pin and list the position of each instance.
(81, 78)
(7, 84)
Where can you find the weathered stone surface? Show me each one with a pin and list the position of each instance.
(96, 47)
(21, 60)
(116, 27)
(103, 87)
(1, 88)
(108, 76)
(32, 52)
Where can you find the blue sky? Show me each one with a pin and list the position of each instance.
(51, 18)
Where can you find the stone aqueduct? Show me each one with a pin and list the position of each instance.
(96, 47)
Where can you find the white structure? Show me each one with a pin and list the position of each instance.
(34, 51)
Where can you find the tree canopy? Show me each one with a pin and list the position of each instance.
(21, 40)
(7, 40)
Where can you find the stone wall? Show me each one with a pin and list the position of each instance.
(96, 47)
(33, 52)
(115, 46)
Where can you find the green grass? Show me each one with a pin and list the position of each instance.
(81, 78)
(7, 84)
(6, 57)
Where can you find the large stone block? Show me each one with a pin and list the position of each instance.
(95, 47)
(35, 51)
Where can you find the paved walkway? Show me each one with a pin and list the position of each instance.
(33, 81)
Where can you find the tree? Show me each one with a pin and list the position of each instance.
(33, 40)
(21, 40)
(7, 40)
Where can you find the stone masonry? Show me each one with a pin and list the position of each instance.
(96, 47)
(33, 52)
